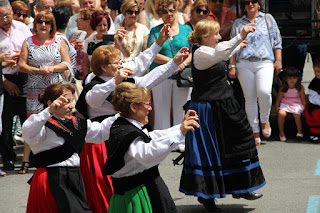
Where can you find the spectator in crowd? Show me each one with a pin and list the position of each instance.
(57, 184)
(100, 22)
(149, 16)
(223, 15)
(134, 153)
(66, 3)
(41, 57)
(72, 25)
(83, 24)
(12, 35)
(136, 33)
(62, 15)
(43, 5)
(186, 10)
(167, 94)
(221, 156)
(114, 6)
(6, 60)
(21, 12)
(256, 64)
(199, 11)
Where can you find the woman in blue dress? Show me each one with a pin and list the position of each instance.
(221, 156)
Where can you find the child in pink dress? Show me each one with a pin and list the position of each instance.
(291, 99)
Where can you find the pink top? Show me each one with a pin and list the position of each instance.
(13, 41)
(291, 102)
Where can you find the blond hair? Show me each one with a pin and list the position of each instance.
(102, 56)
(128, 4)
(202, 29)
(125, 94)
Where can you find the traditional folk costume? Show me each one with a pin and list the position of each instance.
(95, 103)
(312, 110)
(133, 158)
(57, 184)
(221, 156)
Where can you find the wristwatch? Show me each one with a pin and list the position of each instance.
(231, 66)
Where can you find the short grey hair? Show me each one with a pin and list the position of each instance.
(5, 3)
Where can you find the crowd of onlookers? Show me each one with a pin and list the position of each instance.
(36, 37)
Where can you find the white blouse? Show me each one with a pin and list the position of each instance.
(141, 156)
(96, 97)
(41, 138)
(205, 57)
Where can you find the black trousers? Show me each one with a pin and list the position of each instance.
(13, 105)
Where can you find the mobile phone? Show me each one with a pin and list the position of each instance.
(82, 36)
(108, 39)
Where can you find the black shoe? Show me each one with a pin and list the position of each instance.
(248, 196)
(8, 165)
(209, 204)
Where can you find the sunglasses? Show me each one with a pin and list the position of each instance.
(84, 19)
(168, 11)
(130, 12)
(21, 14)
(205, 12)
(45, 22)
(220, 1)
(250, 1)
(100, 14)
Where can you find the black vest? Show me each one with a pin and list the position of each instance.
(1, 80)
(122, 133)
(210, 84)
(73, 131)
(82, 106)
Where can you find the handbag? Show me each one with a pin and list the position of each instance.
(184, 78)
(75, 82)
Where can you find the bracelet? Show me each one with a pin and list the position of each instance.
(54, 68)
(231, 66)
(185, 64)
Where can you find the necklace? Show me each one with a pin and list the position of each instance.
(131, 46)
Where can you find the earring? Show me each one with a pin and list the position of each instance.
(259, 7)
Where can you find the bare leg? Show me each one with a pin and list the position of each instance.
(25, 159)
(297, 119)
(281, 118)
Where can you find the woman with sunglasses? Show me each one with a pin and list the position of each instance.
(136, 33)
(100, 22)
(168, 95)
(41, 57)
(255, 65)
(21, 12)
(199, 11)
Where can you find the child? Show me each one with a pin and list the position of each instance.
(312, 111)
(291, 99)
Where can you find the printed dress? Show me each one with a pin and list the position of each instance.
(291, 102)
(47, 54)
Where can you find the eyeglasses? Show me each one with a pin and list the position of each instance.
(205, 12)
(84, 19)
(168, 11)
(5, 17)
(100, 14)
(21, 14)
(117, 63)
(220, 1)
(45, 22)
(130, 12)
(48, 7)
(148, 103)
(250, 1)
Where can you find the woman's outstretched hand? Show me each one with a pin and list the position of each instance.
(57, 104)
(249, 28)
(189, 122)
(122, 74)
(163, 35)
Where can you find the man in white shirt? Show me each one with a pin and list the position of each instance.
(12, 35)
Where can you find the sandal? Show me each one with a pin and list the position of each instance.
(24, 167)
(2, 173)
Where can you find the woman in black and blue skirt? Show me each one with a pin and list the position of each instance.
(221, 156)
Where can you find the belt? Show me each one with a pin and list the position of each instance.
(254, 59)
